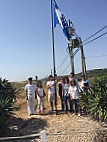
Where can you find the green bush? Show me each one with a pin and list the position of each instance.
(7, 98)
(95, 99)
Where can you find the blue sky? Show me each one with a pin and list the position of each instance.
(25, 36)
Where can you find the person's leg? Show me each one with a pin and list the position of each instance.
(70, 104)
(62, 102)
(50, 99)
(51, 104)
(33, 105)
(66, 105)
(38, 106)
(76, 105)
(29, 106)
(74, 102)
(42, 104)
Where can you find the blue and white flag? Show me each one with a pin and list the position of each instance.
(59, 18)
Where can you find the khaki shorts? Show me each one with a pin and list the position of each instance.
(50, 97)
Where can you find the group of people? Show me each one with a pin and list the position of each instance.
(68, 89)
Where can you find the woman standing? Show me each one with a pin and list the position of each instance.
(40, 97)
(74, 94)
(66, 95)
(60, 92)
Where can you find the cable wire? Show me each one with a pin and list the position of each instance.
(65, 69)
(95, 33)
(89, 42)
(62, 62)
(97, 56)
(95, 38)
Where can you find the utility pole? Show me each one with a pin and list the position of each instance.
(83, 59)
(75, 43)
(51, 71)
(70, 47)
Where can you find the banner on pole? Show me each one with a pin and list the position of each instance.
(59, 18)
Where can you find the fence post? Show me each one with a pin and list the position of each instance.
(43, 136)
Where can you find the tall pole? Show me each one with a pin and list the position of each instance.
(71, 49)
(53, 55)
(83, 60)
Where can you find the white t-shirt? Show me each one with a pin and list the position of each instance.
(40, 92)
(30, 88)
(75, 81)
(74, 91)
(51, 90)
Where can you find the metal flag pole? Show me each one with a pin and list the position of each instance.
(53, 55)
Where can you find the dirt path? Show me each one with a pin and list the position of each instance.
(77, 129)
(55, 124)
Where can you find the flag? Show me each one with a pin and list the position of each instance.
(59, 18)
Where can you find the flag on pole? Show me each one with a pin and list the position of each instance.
(59, 18)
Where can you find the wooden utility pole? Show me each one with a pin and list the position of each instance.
(75, 43)
(83, 60)
(70, 47)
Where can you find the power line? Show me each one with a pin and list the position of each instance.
(90, 42)
(62, 62)
(95, 33)
(95, 38)
(97, 56)
(66, 68)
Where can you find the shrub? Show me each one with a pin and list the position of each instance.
(7, 98)
(95, 99)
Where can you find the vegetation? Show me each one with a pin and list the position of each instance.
(7, 98)
(95, 100)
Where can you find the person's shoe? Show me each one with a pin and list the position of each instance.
(42, 111)
(73, 114)
(33, 114)
(79, 114)
(29, 114)
(38, 112)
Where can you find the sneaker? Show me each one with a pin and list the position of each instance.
(73, 113)
(79, 114)
(42, 111)
(29, 114)
(38, 112)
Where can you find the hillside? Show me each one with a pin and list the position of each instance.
(96, 73)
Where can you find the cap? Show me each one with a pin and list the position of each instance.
(30, 78)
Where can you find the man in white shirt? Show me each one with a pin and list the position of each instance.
(30, 89)
(72, 77)
(51, 91)
(85, 84)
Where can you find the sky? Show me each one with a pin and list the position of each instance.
(26, 37)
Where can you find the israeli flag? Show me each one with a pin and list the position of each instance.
(59, 18)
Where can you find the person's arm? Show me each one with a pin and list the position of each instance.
(69, 91)
(26, 95)
(71, 96)
(62, 91)
(49, 86)
(26, 92)
(44, 94)
(36, 92)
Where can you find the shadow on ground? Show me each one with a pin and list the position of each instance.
(20, 127)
